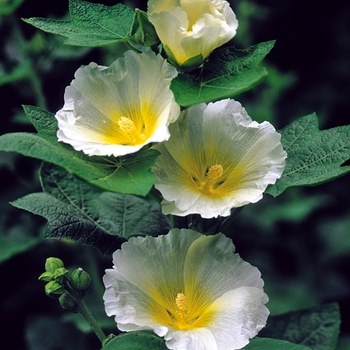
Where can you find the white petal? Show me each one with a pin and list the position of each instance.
(135, 87)
(241, 315)
(200, 339)
(140, 267)
(217, 268)
(220, 133)
(192, 28)
(224, 295)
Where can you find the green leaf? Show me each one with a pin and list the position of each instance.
(128, 174)
(17, 241)
(272, 344)
(76, 210)
(314, 156)
(146, 341)
(228, 72)
(317, 328)
(91, 24)
(18, 73)
(136, 341)
(9, 6)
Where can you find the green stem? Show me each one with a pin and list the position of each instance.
(90, 319)
(32, 73)
(228, 221)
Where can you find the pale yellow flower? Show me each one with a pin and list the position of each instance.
(191, 289)
(216, 159)
(191, 29)
(117, 110)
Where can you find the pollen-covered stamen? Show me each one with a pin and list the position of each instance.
(210, 183)
(215, 172)
(126, 125)
(181, 302)
(181, 311)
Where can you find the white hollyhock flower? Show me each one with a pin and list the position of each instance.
(191, 289)
(216, 159)
(191, 29)
(117, 110)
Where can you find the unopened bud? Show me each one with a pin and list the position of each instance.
(142, 30)
(60, 274)
(46, 276)
(80, 281)
(52, 264)
(53, 289)
(67, 302)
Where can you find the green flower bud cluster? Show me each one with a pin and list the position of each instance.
(56, 277)
(66, 286)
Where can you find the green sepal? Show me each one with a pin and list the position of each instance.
(46, 276)
(60, 275)
(143, 32)
(54, 289)
(190, 64)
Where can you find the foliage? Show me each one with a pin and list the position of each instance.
(316, 328)
(130, 174)
(103, 201)
(313, 156)
(75, 210)
(227, 73)
(91, 24)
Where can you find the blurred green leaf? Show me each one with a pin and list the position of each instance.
(17, 73)
(273, 344)
(9, 6)
(91, 24)
(229, 72)
(136, 341)
(76, 210)
(314, 156)
(317, 327)
(129, 174)
(17, 241)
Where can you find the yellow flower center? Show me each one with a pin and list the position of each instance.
(126, 125)
(181, 311)
(195, 10)
(130, 126)
(211, 180)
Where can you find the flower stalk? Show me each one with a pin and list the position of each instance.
(85, 312)
(70, 289)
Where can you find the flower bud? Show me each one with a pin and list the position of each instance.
(68, 302)
(53, 289)
(60, 274)
(80, 281)
(46, 277)
(52, 264)
(143, 30)
(191, 29)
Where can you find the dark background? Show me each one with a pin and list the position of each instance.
(300, 240)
